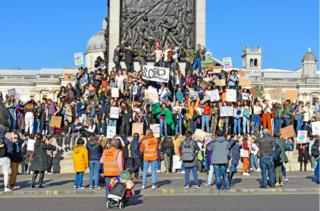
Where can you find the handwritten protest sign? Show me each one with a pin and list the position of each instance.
(151, 95)
(199, 135)
(315, 128)
(291, 95)
(245, 96)
(158, 74)
(111, 131)
(237, 112)
(114, 92)
(245, 82)
(137, 128)
(287, 132)
(67, 75)
(227, 62)
(155, 129)
(114, 112)
(302, 136)
(78, 59)
(231, 95)
(213, 95)
(55, 121)
(226, 111)
(220, 82)
(11, 92)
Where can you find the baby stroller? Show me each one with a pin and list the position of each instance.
(120, 192)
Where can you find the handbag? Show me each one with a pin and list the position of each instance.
(31, 156)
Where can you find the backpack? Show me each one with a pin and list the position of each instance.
(276, 152)
(188, 152)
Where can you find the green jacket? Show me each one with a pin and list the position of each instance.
(286, 112)
(169, 117)
(284, 147)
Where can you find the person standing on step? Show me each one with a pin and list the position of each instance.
(95, 153)
(16, 159)
(80, 163)
(39, 159)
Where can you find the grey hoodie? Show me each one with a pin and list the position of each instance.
(220, 150)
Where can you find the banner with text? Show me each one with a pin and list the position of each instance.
(157, 74)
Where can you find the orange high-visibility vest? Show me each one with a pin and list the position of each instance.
(150, 149)
(110, 162)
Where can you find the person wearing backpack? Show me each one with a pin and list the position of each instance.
(315, 153)
(189, 149)
(280, 157)
(266, 159)
(219, 160)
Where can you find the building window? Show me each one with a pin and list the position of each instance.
(251, 62)
(256, 62)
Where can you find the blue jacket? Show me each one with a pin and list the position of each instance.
(94, 151)
(134, 149)
(235, 152)
(81, 111)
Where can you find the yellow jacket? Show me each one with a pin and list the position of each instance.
(80, 158)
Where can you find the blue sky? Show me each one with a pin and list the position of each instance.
(36, 34)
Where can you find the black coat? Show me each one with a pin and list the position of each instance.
(16, 154)
(40, 162)
(304, 155)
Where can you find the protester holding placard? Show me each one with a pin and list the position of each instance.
(247, 112)
(266, 115)
(304, 156)
(205, 116)
(214, 117)
(237, 116)
(256, 118)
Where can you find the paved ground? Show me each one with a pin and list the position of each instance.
(164, 203)
(169, 184)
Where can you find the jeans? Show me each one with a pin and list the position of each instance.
(225, 124)
(256, 123)
(205, 123)
(112, 122)
(299, 122)
(317, 171)
(12, 118)
(254, 162)
(246, 125)
(153, 172)
(277, 125)
(236, 126)
(36, 128)
(194, 174)
(286, 121)
(179, 126)
(158, 165)
(266, 164)
(94, 166)
(220, 171)
(197, 64)
(107, 182)
(136, 164)
(210, 174)
(163, 127)
(192, 125)
(78, 180)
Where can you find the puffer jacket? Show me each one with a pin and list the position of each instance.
(94, 151)
(80, 158)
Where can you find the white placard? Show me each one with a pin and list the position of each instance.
(214, 95)
(226, 111)
(115, 92)
(78, 59)
(114, 112)
(158, 74)
(315, 128)
(231, 95)
(155, 129)
(237, 112)
(111, 131)
(151, 95)
(302, 136)
(11, 92)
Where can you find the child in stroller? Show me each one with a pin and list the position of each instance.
(121, 191)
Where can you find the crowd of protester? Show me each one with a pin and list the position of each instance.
(182, 109)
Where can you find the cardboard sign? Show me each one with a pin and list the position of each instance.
(245, 82)
(215, 69)
(137, 128)
(114, 112)
(151, 95)
(204, 84)
(237, 112)
(55, 122)
(220, 82)
(199, 135)
(78, 59)
(231, 95)
(302, 136)
(226, 111)
(157, 74)
(156, 130)
(315, 128)
(111, 131)
(115, 92)
(287, 132)
(213, 95)
(291, 95)
(245, 96)
(227, 62)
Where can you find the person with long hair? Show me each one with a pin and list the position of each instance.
(39, 159)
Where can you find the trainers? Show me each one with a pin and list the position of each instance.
(158, 171)
(286, 180)
(154, 187)
(7, 190)
(82, 188)
(182, 172)
(74, 187)
(198, 187)
(245, 174)
(97, 187)
(143, 187)
(258, 170)
(186, 187)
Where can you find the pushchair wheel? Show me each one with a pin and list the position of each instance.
(121, 205)
(107, 205)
